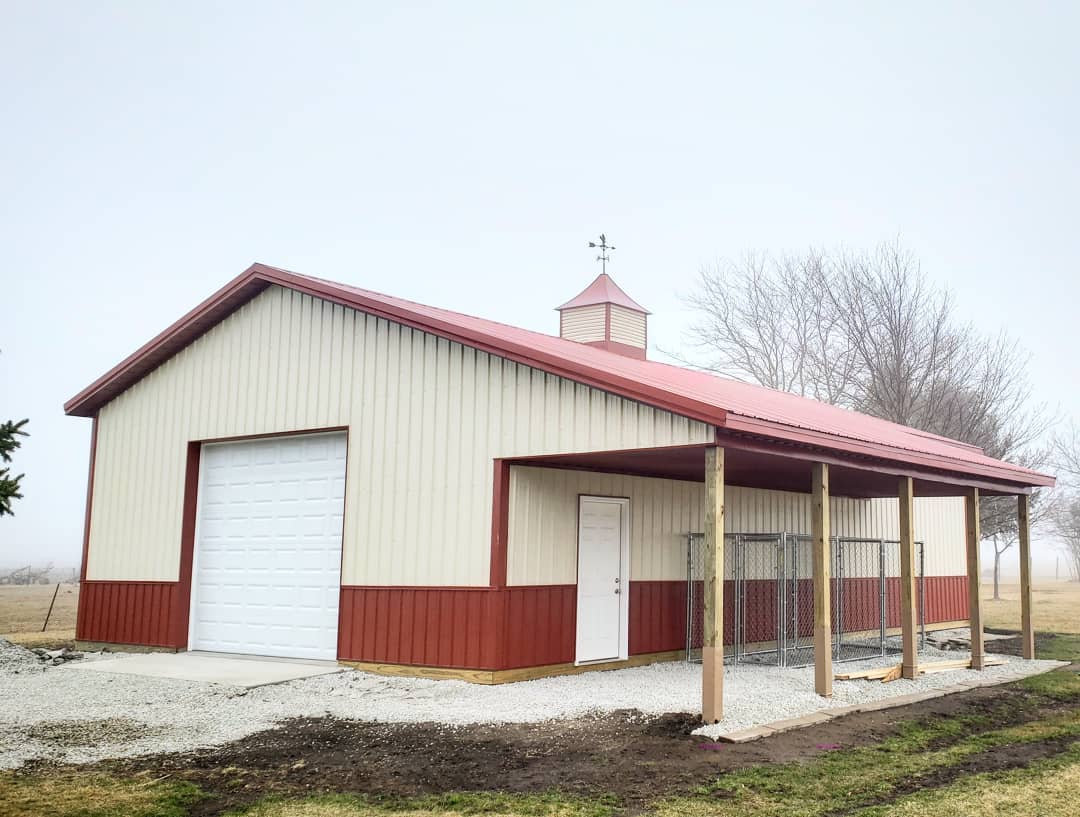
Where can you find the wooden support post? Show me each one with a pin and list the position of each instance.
(908, 620)
(974, 572)
(823, 673)
(1027, 629)
(712, 650)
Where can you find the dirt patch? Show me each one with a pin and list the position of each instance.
(634, 757)
(993, 759)
(1011, 646)
(88, 733)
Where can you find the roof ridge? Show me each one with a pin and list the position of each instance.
(696, 394)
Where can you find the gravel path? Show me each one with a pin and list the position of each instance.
(62, 714)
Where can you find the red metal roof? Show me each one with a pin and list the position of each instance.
(734, 407)
(603, 291)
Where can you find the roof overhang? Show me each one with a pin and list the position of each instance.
(775, 468)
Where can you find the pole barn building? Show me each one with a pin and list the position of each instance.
(305, 469)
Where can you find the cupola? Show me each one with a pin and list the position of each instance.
(605, 316)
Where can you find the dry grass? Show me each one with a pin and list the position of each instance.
(1056, 607)
(23, 609)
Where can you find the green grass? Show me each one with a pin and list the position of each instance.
(93, 795)
(852, 780)
(491, 804)
(1046, 789)
(1060, 647)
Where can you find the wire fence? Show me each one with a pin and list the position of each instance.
(769, 597)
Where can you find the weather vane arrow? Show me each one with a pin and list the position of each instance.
(604, 248)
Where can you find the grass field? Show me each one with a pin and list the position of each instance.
(1056, 607)
(23, 609)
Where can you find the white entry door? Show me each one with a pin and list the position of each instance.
(603, 592)
(267, 564)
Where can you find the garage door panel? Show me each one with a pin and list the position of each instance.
(268, 555)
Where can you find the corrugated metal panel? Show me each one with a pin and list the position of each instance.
(542, 537)
(127, 613)
(470, 628)
(535, 626)
(628, 327)
(584, 323)
(946, 598)
(434, 627)
(658, 616)
(540, 625)
(426, 419)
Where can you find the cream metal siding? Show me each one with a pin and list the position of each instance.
(542, 544)
(426, 417)
(542, 541)
(627, 326)
(584, 323)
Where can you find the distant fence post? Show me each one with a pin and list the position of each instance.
(51, 603)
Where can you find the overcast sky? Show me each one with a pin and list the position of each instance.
(462, 154)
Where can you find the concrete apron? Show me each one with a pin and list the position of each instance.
(245, 671)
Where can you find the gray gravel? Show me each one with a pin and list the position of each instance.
(66, 715)
(15, 660)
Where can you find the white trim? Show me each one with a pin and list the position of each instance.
(195, 550)
(624, 577)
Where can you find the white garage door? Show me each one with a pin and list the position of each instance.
(267, 565)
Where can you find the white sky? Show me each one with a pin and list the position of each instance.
(461, 154)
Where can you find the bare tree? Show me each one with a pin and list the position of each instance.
(769, 320)
(999, 515)
(869, 331)
(1066, 451)
(1065, 523)
(1065, 514)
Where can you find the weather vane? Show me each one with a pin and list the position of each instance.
(604, 248)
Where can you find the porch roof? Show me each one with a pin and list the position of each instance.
(752, 464)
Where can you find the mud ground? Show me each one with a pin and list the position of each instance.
(635, 758)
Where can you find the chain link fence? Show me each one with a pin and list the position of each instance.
(769, 597)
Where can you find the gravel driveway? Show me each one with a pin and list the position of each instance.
(59, 713)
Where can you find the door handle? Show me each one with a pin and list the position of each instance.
(617, 591)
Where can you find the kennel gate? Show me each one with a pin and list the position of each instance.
(768, 597)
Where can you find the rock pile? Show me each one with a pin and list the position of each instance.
(56, 657)
(15, 659)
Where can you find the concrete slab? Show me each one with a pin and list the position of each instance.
(247, 672)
